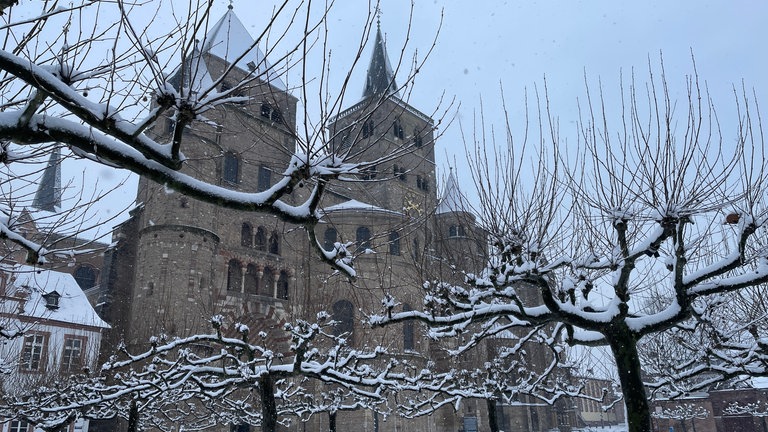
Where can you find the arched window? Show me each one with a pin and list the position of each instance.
(368, 128)
(418, 141)
(261, 239)
(329, 238)
(408, 333)
(268, 282)
(282, 286)
(453, 231)
(344, 319)
(265, 179)
(231, 172)
(234, 276)
(246, 235)
(252, 279)
(85, 276)
(363, 237)
(394, 243)
(274, 243)
(397, 130)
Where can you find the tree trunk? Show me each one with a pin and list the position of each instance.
(268, 405)
(133, 417)
(624, 349)
(492, 423)
(331, 421)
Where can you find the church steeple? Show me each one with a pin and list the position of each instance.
(453, 200)
(48, 195)
(380, 80)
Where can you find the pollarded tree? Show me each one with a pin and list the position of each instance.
(60, 89)
(223, 377)
(650, 203)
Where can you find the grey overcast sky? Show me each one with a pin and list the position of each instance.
(484, 45)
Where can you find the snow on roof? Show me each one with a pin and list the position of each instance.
(229, 39)
(357, 205)
(35, 282)
(453, 200)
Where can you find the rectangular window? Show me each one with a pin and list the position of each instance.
(18, 426)
(33, 353)
(72, 357)
(265, 179)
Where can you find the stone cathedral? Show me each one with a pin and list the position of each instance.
(176, 261)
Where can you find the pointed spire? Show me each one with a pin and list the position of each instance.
(380, 80)
(48, 195)
(453, 200)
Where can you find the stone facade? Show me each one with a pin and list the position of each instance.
(177, 261)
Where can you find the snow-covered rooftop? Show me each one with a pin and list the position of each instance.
(228, 40)
(357, 205)
(33, 283)
(452, 200)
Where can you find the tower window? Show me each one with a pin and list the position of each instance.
(85, 276)
(344, 319)
(369, 173)
(397, 130)
(265, 179)
(422, 182)
(251, 279)
(234, 276)
(363, 237)
(408, 331)
(394, 243)
(368, 128)
(418, 140)
(246, 235)
(231, 173)
(456, 231)
(268, 282)
(399, 173)
(261, 239)
(274, 244)
(329, 238)
(282, 286)
(271, 113)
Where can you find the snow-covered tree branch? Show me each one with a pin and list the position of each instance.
(113, 111)
(655, 206)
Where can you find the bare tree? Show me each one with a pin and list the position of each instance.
(60, 91)
(650, 204)
(221, 378)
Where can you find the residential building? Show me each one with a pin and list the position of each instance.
(58, 333)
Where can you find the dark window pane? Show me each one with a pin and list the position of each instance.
(329, 238)
(265, 179)
(363, 237)
(394, 243)
(231, 168)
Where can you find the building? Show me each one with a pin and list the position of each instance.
(177, 261)
(61, 332)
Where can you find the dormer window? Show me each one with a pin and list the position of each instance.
(52, 300)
